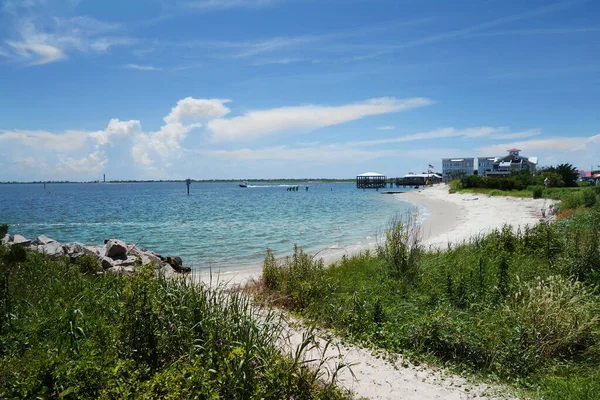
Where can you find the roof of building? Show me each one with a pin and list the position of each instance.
(370, 174)
(514, 149)
(422, 176)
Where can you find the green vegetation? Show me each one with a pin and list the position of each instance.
(65, 334)
(522, 308)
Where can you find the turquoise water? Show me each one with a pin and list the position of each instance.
(217, 225)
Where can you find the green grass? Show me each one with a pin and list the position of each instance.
(67, 335)
(521, 307)
(496, 192)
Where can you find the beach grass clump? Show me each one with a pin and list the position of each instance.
(65, 334)
(299, 277)
(557, 316)
(401, 249)
(519, 305)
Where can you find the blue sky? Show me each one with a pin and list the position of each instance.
(213, 89)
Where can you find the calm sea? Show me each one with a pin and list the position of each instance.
(217, 225)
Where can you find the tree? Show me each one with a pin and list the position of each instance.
(568, 173)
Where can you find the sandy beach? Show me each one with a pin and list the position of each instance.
(449, 219)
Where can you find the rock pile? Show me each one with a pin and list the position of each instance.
(115, 256)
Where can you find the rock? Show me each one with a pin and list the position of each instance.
(18, 239)
(177, 264)
(76, 250)
(148, 258)
(6, 239)
(91, 249)
(115, 248)
(106, 262)
(53, 249)
(129, 261)
(43, 240)
(167, 271)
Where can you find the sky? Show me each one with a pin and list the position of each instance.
(245, 89)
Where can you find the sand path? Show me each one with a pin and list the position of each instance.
(453, 218)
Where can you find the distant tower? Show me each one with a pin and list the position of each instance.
(104, 179)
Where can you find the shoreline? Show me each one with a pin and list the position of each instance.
(450, 219)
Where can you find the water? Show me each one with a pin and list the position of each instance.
(218, 224)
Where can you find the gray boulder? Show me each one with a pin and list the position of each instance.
(42, 240)
(6, 239)
(76, 250)
(53, 249)
(91, 249)
(106, 262)
(146, 257)
(115, 248)
(129, 261)
(177, 264)
(19, 239)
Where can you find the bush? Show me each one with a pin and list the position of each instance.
(589, 197)
(299, 277)
(538, 192)
(572, 200)
(558, 317)
(401, 250)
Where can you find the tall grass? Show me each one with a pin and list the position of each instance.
(521, 306)
(69, 335)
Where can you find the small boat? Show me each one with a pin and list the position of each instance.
(244, 184)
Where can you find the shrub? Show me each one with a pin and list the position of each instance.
(401, 250)
(271, 273)
(538, 192)
(300, 277)
(558, 317)
(589, 197)
(572, 200)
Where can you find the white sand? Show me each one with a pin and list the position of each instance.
(453, 218)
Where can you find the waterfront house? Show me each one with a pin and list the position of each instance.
(504, 166)
(457, 168)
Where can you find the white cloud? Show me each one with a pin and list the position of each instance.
(563, 144)
(195, 109)
(178, 123)
(115, 127)
(43, 53)
(168, 137)
(142, 67)
(260, 123)
(66, 141)
(319, 154)
(386, 128)
(434, 134)
(102, 45)
(500, 133)
(93, 163)
(139, 151)
(48, 40)
(281, 61)
(224, 4)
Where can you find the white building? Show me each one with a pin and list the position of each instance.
(504, 166)
(456, 168)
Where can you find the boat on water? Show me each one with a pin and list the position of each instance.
(244, 184)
